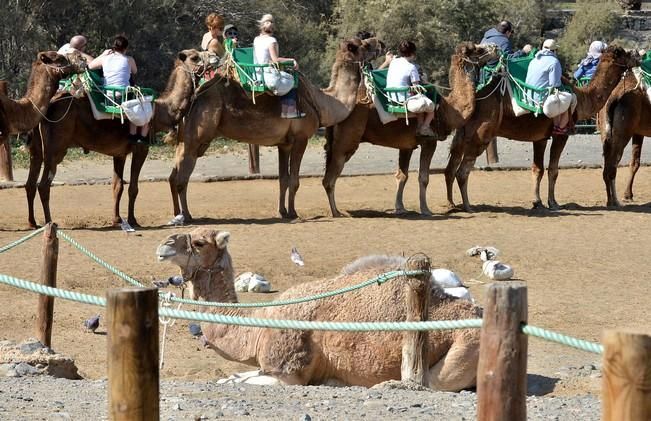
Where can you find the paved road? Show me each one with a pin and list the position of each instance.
(581, 150)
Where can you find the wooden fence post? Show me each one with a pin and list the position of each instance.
(254, 159)
(502, 371)
(44, 314)
(133, 377)
(415, 361)
(626, 387)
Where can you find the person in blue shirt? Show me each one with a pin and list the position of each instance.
(545, 71)
(500, 36)
(588, 65)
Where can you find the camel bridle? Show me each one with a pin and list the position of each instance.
(193, 254)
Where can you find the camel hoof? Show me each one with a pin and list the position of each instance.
(400, 211)
(537, 205)
(628, 198)
(289, 215)
(452, 208)
(553, 206)
(426, 212)
(33, 226)
(134, 223)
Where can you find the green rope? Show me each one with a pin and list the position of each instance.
(380, 279)
(306, 325)
(563, 339)
(21, 240)
(99, 261)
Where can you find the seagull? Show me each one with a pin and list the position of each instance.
(126, 227)
(92, 324)
(177, 220)
(296, 257)
(195, 330)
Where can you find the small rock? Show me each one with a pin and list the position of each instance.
(30, 347)
(4, 369)
(25, 369)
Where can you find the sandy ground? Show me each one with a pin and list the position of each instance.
(584, 266)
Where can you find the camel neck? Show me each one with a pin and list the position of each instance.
(459, 104)
(175, 101)
(591, 98)
(33, 106)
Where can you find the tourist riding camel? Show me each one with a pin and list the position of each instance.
(223, 108)
(74, 125)
(301, 357)
(364, 125)
(588, 66)
(77, 43)
(494, 116)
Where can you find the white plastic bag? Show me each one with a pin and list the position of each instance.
(517, 109)
(557, 103)
(277, 81)
(251, 282)
(420, 103)
(139, 111)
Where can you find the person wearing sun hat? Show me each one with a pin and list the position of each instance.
(545, 71)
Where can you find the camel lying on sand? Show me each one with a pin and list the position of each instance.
(223, 108)
(494, 116)
(364, 125)
(75, 126)
(317, 357)
(625, 116)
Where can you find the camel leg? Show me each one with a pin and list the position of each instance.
(118, 187)
(427, 150)
(475, 147)
(35, 163)
(457, 370)
(612, 150)
(402, 175)
(283, 178)
(185, 163)
(138, 157)
(456, 156)
(49, 172)
(636, 152)
(176, 209)
(558, 144)
(296, 156)
(538, 170)
(342, 143)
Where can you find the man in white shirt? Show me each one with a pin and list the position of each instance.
(404, 73)
(77, 43)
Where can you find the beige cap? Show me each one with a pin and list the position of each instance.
(266, 18)
(550, 44)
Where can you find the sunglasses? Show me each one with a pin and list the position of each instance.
(231, 33)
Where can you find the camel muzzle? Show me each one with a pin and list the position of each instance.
(165, 252)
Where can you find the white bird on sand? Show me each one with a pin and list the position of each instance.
(491, 252)
(126, 227)
(497, 270)
(451, 284)
(296, 257)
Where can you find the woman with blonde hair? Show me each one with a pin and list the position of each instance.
(213, 39)
(265, 51)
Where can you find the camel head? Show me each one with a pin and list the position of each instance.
(61, 65)
(203, 258)
(197, 62)
(620, 57)
(478, 54)
(356, 50)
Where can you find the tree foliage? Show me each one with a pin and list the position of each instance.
(593, 20)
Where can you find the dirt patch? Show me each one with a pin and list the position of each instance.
(583, 266)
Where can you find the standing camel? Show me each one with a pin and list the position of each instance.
(494, 116)
(364, 125)
(78, 128)
(223, 108)
(303, 357)
(625, 115)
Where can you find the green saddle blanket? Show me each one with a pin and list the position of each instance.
(645, 66)
(251, 75)
(392, 99)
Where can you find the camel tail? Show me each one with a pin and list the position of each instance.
(329, 136)
(171, 137)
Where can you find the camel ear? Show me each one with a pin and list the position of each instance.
(182, 56)
(222, 239)
(352, 47)
(45, 59)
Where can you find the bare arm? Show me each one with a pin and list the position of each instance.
(273, 51)
(96, 63)
(132, 66)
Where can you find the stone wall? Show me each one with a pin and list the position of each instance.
(634, 26)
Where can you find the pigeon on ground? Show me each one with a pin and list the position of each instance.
(126, 227)
(296, 257)
(177, 220)
(491, 252)
(195, 330)
(162, 283)
(176, 280)
(92, 324)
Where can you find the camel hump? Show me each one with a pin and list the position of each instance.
(374, 262)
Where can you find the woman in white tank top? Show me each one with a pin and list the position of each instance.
(265, 51)
(118, 68)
